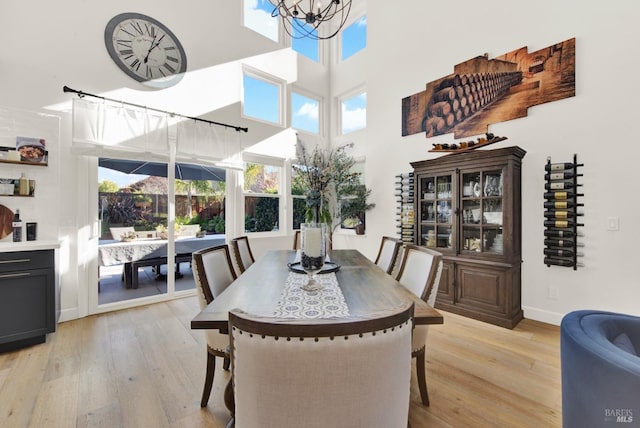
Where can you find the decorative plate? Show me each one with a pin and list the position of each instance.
(327, 268)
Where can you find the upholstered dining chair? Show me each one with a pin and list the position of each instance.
(213, 272)
(316, 375)
(388, 253)
(420, 272)
(242, 253)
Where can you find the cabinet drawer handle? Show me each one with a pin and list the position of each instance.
(15, 275)
(15, 261)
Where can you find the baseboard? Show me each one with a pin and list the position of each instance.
(542, 315)
(68, 314)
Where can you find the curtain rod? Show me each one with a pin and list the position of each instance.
(83, 94)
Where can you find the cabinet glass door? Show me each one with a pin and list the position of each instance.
(436, 211)
(482, 211)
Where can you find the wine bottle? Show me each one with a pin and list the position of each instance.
(561, 175)
(560, 166)
(561, 262)
(562, 195)
(562, 224)
(560, 252)
(562, 243)
(556, 233)
(16, 224)
(561, 205)
(561, 214)
(561, 185)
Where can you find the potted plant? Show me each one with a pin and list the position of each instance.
(330, 180)
(353, 205)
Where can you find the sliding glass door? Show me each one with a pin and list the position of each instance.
(136, 265)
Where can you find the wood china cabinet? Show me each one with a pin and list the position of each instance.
(468, 207)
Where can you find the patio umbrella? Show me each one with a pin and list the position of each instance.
(184, 171)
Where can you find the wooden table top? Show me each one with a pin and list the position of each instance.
(368, 291)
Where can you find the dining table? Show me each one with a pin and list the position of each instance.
(364, 291)
(148, 251)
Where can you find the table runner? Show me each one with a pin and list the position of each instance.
(327, 302)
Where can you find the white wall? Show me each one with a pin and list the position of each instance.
(407, 46)
(413, 44)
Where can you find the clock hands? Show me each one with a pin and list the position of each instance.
(154, 44)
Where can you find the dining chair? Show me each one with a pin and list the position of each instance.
(213, 272)
(296, 240)
(329, 374)
(420, 272)
(242, 253)
(388, 253)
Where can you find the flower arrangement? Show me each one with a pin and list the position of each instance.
(329, 177)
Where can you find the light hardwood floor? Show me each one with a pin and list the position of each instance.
(145, 367)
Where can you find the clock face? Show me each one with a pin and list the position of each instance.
(145, 49)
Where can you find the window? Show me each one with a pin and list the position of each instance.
(299, 190)
(304, 45)
(262, 99)
(353, 113)
(261, 197)
(257, 17)
(305, 113)
(354, 38)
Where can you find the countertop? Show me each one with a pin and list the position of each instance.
(10, 246)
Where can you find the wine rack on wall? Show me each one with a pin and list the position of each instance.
(405, 212)
(562, 218)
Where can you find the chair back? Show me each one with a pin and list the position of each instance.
(118, 232)
(419, 269)
(296, 240)
(213, 272)
(354, 373)
(388, 253)
(242, 252)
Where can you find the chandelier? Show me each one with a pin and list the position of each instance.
(302, 18)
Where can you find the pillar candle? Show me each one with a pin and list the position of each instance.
(312, 240)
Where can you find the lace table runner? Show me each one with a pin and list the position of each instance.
(327, 302)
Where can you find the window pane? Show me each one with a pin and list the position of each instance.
(299, 211)
(261, 213)
(354, 113)
(304, 45)
(304, 113)
(261, 99)
(354, 38)
(299, 189)
(259, 178)
(257, 17)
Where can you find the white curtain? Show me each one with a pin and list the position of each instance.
(106, 129)
(115, 130)
(204, 143)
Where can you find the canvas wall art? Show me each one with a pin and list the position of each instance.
(482, 91)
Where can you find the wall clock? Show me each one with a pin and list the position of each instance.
(145, 49)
